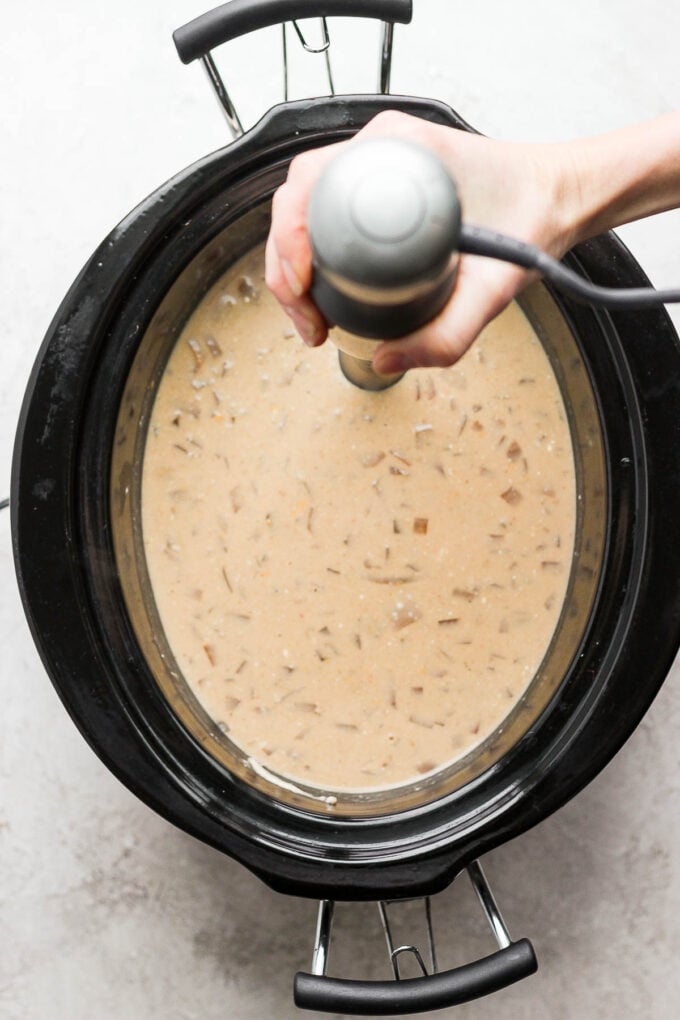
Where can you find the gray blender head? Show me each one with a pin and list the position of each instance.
(384, 225)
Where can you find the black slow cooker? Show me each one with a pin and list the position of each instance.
(77, 544)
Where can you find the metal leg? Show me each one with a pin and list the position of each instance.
(386, 58)
(489, 905)
(284, 45)
(223, 99)
(322, 940)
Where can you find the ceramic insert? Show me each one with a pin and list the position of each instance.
(357, 587)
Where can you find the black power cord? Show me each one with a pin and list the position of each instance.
(492, 245)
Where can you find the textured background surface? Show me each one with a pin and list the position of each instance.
(107, 911)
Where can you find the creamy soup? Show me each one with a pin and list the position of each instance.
(357, 587)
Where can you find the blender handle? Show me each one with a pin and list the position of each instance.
(415, 995)
(239, 17)
(384, 223)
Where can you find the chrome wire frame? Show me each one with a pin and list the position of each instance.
(386, 58)
(324, 48)
(395, 953)
(224, 99)
(484, 895)
(322, 940)
(488, 904)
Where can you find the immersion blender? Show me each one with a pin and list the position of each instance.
(386, 232)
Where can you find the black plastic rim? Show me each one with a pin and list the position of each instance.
(59, 506)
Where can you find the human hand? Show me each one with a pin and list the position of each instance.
(517, 189)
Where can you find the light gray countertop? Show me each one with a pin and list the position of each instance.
(106, 910)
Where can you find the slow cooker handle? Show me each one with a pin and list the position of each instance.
(238, 17)
(415, 995)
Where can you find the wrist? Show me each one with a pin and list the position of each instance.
(574, 196)
(593, 187)
(619, 177)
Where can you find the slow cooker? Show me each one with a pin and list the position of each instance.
(76, 534)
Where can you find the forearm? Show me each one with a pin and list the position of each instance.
(624, 175)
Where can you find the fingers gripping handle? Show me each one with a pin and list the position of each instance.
(387, 998)
(384, 226)
(239, 17)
